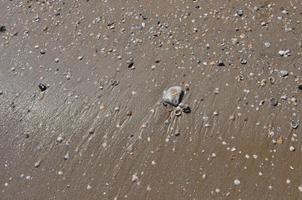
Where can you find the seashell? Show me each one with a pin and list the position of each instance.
(173, 95)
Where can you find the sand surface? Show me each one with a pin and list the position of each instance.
(82, 117)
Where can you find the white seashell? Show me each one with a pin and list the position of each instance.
(173, 95)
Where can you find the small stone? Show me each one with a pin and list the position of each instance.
(134, 177)
(243, 61)
(129, 113)
(68, 76)
(283, 73)
(240, 13)
(91, 131)
(284, 12)
(42, 51)
(60, 173)
(1, 92)
(177, 133)
(293, 99)
(131, 65)
(80, 58)
(60, 139)
(262, 82)
(178, 111)
(274, 101)
(2, 29)
(45, 28)
(153, 67)
(186, 109)
(220, 63)
(37, 164)
(236, 182)
(300, 188)
(173, 95)
(267, 44)
(42, 87)
(89, 187)
(284, 53)
(66, 156)
(56, 60)
(291, 148)
(300, 87)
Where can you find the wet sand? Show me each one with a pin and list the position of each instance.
(81, 109)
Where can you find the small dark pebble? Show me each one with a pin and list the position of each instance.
(300, 87)
(274, 101)
(186, 109)
(2, 28)
(129, 113)
(220, 63)
(42, 87)
(110, 24)
(130, 65)
(177, 133)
